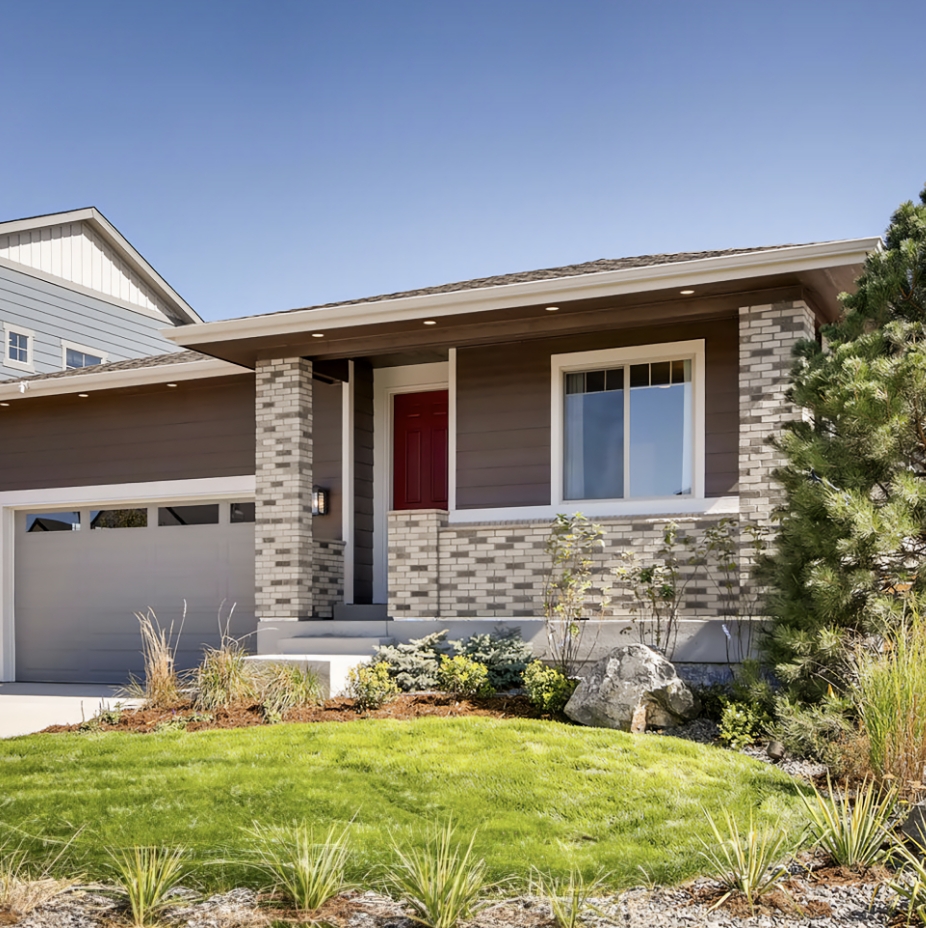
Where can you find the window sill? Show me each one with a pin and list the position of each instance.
(599, 509)
(23, 366)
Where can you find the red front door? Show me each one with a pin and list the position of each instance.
(419, 441)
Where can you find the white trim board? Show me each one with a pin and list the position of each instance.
(387, 381)
(119, 494)
(83, 349)
(348, 388)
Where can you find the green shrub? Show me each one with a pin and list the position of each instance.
(818, 732)
(285, 686)
(371, 685)
(505, 655)
(741, 724)
(461, 676)
(548, 688)
(414, 666)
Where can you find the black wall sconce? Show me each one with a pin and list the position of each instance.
(320, 501)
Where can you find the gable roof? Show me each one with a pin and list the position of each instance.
(82, 249)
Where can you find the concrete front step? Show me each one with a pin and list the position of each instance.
(334, 644)
(332, 669)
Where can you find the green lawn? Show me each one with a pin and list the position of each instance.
(541, 794)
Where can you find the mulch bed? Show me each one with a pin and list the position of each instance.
(340, 709)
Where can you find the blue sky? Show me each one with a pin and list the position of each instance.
(267, 155)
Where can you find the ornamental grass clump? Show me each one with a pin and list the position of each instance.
(569, 899)
(146, 877)
(285, 686)
(24, 886)
(464, 678)
(225, 677)
(748, 863)
(442, 883)
(856, 835)
(891, 698)
(305, 871)
(161, 687)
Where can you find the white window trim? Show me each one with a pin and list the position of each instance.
(387, 382)
(561, 364)
(28, 365)
(73, 346)
(110, 496)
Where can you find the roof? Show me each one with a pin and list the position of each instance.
(550, 273)
(605, 278)
(91, 216)
(131, 364)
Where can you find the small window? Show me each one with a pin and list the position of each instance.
(242, 512)
(52, 521)
(19, 348)
(119, 518)
(189, 515)
(74, 359)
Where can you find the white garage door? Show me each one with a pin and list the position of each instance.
(82, 575)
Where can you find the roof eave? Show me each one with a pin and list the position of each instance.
(693, 273)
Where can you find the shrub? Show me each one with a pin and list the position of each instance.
(745, 864)
(891, 697)
(147, 876)
(441, 883)
(161, 687)
(819, 732)
(371, 685)
(307, 872)
(225, 678)
(414, 666)
(855, 833)
(461, 676)
(505, 655)
(285, 686)
(548, 688)
(741, 724)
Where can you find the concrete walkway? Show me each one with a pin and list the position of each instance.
(30, 707)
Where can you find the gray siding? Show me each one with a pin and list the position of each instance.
(55, 312)
(503, 411)
(326, 456)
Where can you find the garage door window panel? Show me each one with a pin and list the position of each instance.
(52, 522)
(118, 518)
(242, 512)
(207, 514)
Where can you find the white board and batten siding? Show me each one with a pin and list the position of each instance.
(76, 253)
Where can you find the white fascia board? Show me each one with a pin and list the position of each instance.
(582, 286)
(110, 380)
(93, 216)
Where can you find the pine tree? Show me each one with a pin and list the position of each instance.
(851, 546)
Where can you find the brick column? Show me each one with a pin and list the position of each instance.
(414, 562)
(283, 537)
(767, 336)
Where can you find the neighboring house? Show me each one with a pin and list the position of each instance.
(436, 433)
(74, 293)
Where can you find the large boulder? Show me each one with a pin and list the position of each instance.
(633, 688)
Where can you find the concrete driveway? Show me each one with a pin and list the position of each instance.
(30, 707)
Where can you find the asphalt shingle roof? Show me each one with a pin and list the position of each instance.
(158, 360)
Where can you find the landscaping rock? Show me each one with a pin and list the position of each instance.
(631, 677)
(914, 827)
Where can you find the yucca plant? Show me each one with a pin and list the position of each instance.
(287, 686)
(569, 899)
(442, 883)
(910, 880)
(855, 834)
(306, 871)
(744, 863)
(146, 876)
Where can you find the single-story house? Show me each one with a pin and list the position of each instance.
(383, 467)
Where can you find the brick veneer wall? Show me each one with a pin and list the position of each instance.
(283, 468)
(414, 575)
(328, 574)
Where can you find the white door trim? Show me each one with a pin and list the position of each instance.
(118, 494)
(347, 480)
(387, 381)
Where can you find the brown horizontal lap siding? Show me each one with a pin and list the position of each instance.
(201, 428)
(326, 456)
(503, 411)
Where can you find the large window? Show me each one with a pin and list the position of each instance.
(627, 423)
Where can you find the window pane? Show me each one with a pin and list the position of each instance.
(75, 359)
(189, 515)
(660, 373)
(19, 347)
(242, 512)
(639, 375)
(594, 445)
(52, 521)
(119, 518)
(660, 440)
(594, 381)
(575, 383)
(614, 379)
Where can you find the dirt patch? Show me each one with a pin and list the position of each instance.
(405, 707)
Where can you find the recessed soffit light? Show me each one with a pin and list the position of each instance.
(686, 292)
(4, 404)
(429, 322)
(318, 335)
(83, 396)
(552, 309)
(172, 385)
